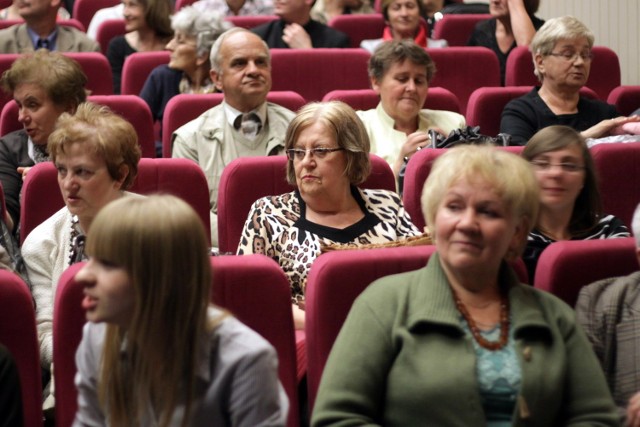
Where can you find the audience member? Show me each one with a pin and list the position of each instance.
(295, 29)
(463, 329)
(328, 150)
(188, 68)
(12, 13)
(148, 28)
(40, 30)
(403, 21)
(325, 10)
(606, 309)
(155, 352)
(245, 124)
(96, 153)
(562, 57)
(570, 206)
(44, 85)
(10, 392)
(432, 12)
(513, 24)
(235, 7)
(400, 72)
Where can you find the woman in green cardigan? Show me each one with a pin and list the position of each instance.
(461, 342)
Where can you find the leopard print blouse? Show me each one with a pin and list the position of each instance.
(277, 227)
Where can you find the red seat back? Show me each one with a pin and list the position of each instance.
(250, 21)
(366, 99)
(605, 74)
(108, 30)
(83, 10)
(566, 266)
(247, 179)
(183, 108)
(625, 98)
(18, 334)
(137, 68)
(314, 72)
(618, 168)
(41, 196)
(359, 26)
(465, 69)
(456, 29)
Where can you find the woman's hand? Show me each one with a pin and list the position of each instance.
(24, 170)
(633, 411)
(606, 126)
(415, 142)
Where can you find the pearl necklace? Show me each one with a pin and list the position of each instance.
(475, 331)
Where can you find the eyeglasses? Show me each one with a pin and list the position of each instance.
(543, 165)
(318, 153)
(572, 56)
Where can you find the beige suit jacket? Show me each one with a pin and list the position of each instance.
(15, 39)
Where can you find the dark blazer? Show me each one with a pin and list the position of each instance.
(14, 152)
(15, 39)
(320, 34)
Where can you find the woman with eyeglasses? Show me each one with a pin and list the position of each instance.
(570, 206)
(328, 150)
(562, 58)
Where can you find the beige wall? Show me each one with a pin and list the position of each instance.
(615, 23)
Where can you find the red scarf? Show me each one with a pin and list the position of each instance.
(420, 39)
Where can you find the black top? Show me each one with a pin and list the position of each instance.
(162, 84)
(117, 52)
(523, 117)
(320, 34)
(485, 35)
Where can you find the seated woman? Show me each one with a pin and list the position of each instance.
(570, 206)
(96, 153)
(44, 85)
(461, 342)
(147, 287)
(188, 68)
(148, 29)
(325, 10)
(328, 152)
(403, 21)
(562, 58)
(513, 24)
(400, 72)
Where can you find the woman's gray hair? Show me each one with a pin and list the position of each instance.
(555, 29)
(205, 27)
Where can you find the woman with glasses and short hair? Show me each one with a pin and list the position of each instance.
(570, 206)
(562, 57)
(328, 150)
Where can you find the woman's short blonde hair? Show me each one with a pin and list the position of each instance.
(509, 175)
(111, 138)
(554, 30)
(347, 130)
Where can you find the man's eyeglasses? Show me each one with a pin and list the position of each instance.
(318, 153)
(572, 56)
(543, 165)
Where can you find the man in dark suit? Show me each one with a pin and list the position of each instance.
(609, 312)
(295, 29)
(41, 31)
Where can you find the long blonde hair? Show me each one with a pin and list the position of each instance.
(161, 243)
